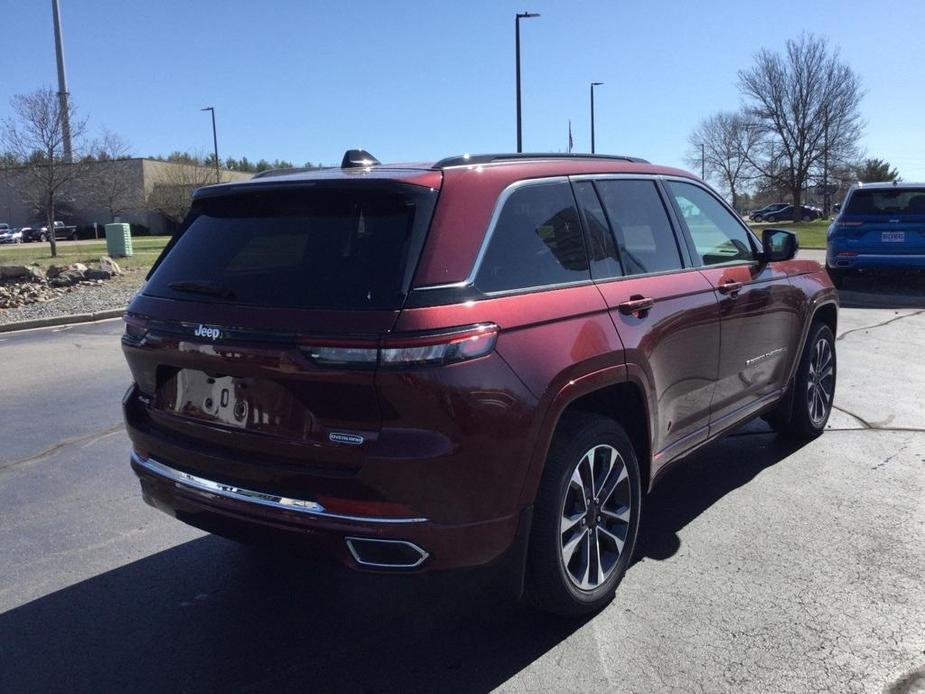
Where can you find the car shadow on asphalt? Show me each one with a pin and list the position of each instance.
(210, 615)
(884, 290)
(691, 486)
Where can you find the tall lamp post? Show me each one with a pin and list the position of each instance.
(703, 163)
(593, 85)
(517, 18)
(218, 175)
(64, 107)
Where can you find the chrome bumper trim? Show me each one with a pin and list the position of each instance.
(228, 491)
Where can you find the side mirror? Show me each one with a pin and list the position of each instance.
(836, 207)
(778, 244)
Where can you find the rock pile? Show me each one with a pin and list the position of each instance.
(29, 284)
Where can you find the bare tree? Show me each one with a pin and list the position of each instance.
(172, 195)
(804, 106)
(35, 135)
(726, 141)
(109, 183)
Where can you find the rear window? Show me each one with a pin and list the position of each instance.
(345, 247)
(536, 242)
(887, 201)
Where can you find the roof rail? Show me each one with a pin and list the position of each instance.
(467, 159)
(269, 173)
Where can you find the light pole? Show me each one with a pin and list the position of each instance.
(703, 163)
(517, 18)
(218, 175)
(593, 85)
(63, 100)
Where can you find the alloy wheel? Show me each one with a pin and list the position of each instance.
(820, 385)
(595, 518)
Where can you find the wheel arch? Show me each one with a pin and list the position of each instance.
(609, 393)
(826, 313)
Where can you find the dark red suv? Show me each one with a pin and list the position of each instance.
(492, 358)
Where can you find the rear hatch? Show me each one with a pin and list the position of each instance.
(258, 329)
(887, 221)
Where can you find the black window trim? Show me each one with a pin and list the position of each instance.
(586, 232)
(686, 232)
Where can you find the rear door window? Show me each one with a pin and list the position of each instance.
(536, 241)
(717, 235)
(345, 247)
(645, 239)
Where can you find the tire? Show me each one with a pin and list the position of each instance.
(807, 218)
(810, 404)
(564, 575)
(43, 238)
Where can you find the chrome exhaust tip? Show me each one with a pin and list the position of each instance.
(386, 554)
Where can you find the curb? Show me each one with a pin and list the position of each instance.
(62, 320)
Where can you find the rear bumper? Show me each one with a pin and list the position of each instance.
(874, 261)
(360, 543)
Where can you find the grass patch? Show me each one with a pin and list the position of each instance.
(811, 234)
(145, 248)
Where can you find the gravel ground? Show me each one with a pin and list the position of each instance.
(111, 294)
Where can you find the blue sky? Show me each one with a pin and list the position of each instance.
(304, 80)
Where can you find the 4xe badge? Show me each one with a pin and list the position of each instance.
(207, 331)
(340, 437)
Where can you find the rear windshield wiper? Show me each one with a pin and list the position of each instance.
(202, 287)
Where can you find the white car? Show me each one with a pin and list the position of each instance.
(8, 235)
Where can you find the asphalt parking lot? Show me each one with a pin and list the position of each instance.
(763, 566)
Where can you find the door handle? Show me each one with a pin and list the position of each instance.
(636, 304)
(730, 287)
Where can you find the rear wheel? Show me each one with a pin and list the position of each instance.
(586, 517)
(814, 388)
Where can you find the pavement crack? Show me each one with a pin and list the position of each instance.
(882, 425)
(864, 422)
(85, 439)
(879, 325)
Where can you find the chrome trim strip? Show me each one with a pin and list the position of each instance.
(451, 285)
(282, 503)
(422, 553)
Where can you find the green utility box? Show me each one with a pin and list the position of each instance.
(118, 240)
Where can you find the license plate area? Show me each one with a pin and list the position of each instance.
(893, 236)
(242, 403)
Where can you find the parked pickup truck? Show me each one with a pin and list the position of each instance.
(41, 233)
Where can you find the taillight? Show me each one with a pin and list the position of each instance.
(412, 349)
(136, 327)
(844, 228)
(342, 356)
(448, 347)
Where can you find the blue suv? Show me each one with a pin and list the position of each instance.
(881, 226)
